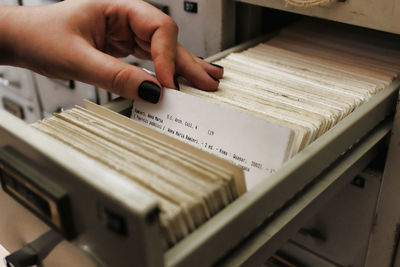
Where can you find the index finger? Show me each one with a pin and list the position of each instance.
(163, 52)
(151, 25)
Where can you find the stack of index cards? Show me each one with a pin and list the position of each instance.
(189, 185)
(308, 77)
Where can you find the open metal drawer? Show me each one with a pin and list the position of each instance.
(247, 231)
(253, 227)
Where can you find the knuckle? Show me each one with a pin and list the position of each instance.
(174, 26)
(120, 80)
(170, 23)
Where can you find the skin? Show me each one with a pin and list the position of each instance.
(81, 40)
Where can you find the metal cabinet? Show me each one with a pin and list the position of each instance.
(9, 2)
(18, 93)
(383, 15)
(259, 223)
(61, 94)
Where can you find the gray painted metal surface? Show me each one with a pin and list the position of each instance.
(384, 241)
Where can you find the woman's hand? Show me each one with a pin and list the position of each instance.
(80, 40)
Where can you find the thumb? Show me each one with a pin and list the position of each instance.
(116, 76)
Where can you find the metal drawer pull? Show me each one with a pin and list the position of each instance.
(34, 252)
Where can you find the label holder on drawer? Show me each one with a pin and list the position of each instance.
(35, 191)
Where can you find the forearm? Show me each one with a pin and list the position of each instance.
(8, 38)
(25, 39)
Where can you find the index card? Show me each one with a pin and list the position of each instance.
(259, 146)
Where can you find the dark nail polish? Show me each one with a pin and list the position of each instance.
(215, 79)
(216, 65)
(149, 91)
(176, 83)
(201, 57)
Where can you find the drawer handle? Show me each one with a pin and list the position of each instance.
(34, 252)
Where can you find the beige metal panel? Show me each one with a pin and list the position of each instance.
(385, 234)
(26, 109)
(19, 81)
(340, 231)
(9, 2)
(208, 31)
(380, 15)
(56, 94)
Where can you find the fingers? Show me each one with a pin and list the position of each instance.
(143, 44)
(116, 76)
(118, 50)
(198, 72)
(214, 70)
(140, 53)
(163, 52)
(161, 32)
(156, 34)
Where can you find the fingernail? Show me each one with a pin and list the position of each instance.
(176, 83)
(201, 57)
(218, 66)
(215, 79)
(149, 91)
